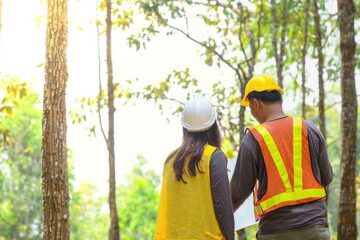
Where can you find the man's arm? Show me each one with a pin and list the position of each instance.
(244, 177)
(320, 155)
(326, 172)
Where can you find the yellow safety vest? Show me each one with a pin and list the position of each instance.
(186, 211)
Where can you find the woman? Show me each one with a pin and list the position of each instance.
(195, 198)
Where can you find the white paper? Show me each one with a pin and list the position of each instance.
(244, 216)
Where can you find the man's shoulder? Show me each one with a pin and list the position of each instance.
(310, 125)
(313, 130)
(249, 140)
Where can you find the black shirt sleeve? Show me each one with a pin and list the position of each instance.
(221, 194)
(245, 175)
(318, 150)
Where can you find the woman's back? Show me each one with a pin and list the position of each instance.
(186, 210)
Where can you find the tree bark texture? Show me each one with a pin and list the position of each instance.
(303, 59)
(347, 203)
(319, 47)
(114, 231)
(242, 108)
(54, 152)
(279, 55)
(284, 22)
(275, 27)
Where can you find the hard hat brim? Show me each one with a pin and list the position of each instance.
(202, 128)
(245, 102)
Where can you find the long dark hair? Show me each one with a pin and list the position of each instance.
(193, 146)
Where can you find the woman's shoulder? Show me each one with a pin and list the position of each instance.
(219, 151)
(218, 162)
(218, 155)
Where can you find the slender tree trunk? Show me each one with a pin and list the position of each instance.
(242, 110)
(279, 55)
(284, 22)
(319, 46)
(241, 234)
(347, 204)
(275, 28)
(114, 231)
(303, 59)
(242, 123)
(54, 153)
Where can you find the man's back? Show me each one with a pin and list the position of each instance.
(251, 167)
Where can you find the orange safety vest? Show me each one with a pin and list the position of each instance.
(186, 211)
(290, 180)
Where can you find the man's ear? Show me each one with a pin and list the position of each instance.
(254, 103)
(251, 103)
(261, 104)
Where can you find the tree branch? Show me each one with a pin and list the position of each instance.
(228, 131)
(217, 3)
(174, 100)
(232, 134)
(186, 20)
(259, 28)
(240, 41)
(336, 103)
(333, 29)
(254, 53)
(221, 57)
(222, 127)
(99, 72)
(253, 57)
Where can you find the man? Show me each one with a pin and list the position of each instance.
(284, 161)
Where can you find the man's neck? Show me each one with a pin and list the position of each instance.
(275, 117)
(274, 112)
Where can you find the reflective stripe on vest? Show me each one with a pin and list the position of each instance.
(297, 153)
(291, 194)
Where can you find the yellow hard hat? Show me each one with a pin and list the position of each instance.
(260, 83)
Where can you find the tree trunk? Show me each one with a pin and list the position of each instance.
(347, 203)
(319, 46)
(114, 231)
(242, 123)
(275, 28)
(284, 22)
(241, 234)
(242, 109)
(279, 56)
(54, 152)
(303, 59)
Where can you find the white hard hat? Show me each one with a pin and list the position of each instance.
(198, 115)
